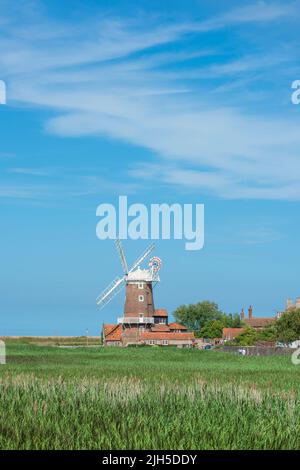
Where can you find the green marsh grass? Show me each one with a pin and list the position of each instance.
(147, 398)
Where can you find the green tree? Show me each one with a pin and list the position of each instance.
(247, 338)
(213, 329)
(231, 320)
(269, 333)
(196, 316)
(288, 326)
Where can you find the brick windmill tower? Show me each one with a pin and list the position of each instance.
(139, 304)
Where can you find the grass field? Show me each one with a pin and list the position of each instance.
(147, 398)
(53, 340)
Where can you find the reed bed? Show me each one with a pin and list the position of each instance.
(96, 401)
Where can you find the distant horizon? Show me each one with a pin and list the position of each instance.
(94, 335)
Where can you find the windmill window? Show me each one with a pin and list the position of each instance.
(141, 298)
(140, 285)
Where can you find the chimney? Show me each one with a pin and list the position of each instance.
(298, 302)
(242, 314)
(289, 304)
(250, 311)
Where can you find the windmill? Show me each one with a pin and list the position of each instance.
(139, 305)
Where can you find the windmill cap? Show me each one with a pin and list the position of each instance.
(140, 275)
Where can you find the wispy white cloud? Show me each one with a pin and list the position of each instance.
(259, 235)
(257, 12)
(61, 184)
(16, 192)
(28, 171)
(110, 79)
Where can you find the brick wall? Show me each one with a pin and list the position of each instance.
(133, 306)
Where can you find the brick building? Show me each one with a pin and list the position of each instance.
(231, 333)
(162, 334)
(141, 323)
(258, 323)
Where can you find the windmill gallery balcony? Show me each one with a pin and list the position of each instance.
(136, 320)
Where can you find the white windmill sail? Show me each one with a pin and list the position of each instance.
(116, 286)
(111, 290)
(142, 257)
(122, 255)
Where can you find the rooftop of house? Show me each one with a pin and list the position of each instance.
(256, 322)
(156, 335)
(227, 331)
(160, 312)
(160, 327)
(157, 332)
(112, 332)
(177, 326)
(259, 322)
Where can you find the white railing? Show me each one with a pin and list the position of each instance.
(136, 320)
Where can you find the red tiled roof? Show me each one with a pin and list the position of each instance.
(161, 312)
(259, 322)
(155, 335)
(177, 326)
(132, 329)
(231, 333)
(108, 328)
(160, 327)
(112, 332)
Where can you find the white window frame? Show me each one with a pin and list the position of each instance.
(140, 285)
(141, 298)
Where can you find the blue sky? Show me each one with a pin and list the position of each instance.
(185, 102)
